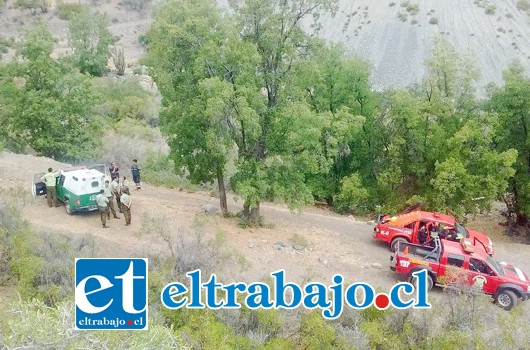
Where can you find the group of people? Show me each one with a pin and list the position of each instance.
(428, 230)
(135, 171)
(117, 190)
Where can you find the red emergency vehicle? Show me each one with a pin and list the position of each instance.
(457, 264)
(417, 226)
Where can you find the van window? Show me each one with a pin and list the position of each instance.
(455, 260)
(95, 184)
(479, 266)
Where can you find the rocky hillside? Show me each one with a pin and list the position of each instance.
(394, 35)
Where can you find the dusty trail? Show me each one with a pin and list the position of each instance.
(337, 244)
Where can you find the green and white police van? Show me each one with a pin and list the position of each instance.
(76, 187)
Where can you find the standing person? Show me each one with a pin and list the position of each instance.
(50, 180)
(124, 185)
(135, 170)
(115, 189)
(103, 203)
(107, 192)
(126, 205)
(114, 171)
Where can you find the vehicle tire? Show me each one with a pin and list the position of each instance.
(430, 281)
(506, 299)
(33, 190)
(395, 241)
(68, 208)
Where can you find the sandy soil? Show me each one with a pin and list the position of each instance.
(337, 244)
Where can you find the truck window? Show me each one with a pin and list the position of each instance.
(410, 226)
(61, 180)
(95, 184)
(455, 260)
(479, 266)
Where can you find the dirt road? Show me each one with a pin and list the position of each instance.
(335, 244)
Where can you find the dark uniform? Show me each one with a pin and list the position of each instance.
(135, 170)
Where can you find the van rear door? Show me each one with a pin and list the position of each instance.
(38, 188)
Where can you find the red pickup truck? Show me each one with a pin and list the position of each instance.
(417, 226)
(455, 264)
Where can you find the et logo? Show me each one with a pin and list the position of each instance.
(111, 294)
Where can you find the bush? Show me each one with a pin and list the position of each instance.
(433, 20)
(490, 9)
(33, 324)
(68, 10)
(126, 98)
(352, 195)
(317, 333)
(43, 264)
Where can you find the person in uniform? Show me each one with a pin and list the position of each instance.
(135, 170)
(103, 203)
(115, 189)
(50, 180)
(126, 205)
(107, 192)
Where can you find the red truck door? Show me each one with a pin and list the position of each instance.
(481, 275)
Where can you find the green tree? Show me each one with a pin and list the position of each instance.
(287, 146)
(195, 58)
(51, 109)
(336, 85)
(90, 40)
(512, 103)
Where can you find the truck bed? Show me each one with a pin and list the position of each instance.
(424, 252)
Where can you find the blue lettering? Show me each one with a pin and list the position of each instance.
(195, 300)
(319, 295)
(280, 288)
(421, 289)
(231, 300)
(258, 298)
(171, 290)
(351, 297)
(394, 295)
(211, 293)
(337, 291)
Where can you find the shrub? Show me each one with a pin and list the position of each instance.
(316, 333)
(43, 264)
(490, 9)
(68, 10)
(159, 170)
(433, 20)
(33, 324)
(412, 8)
(126, 98)
(352, 195)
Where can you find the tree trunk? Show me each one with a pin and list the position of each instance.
(254, 215)
(246, 210)
(222, 192)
